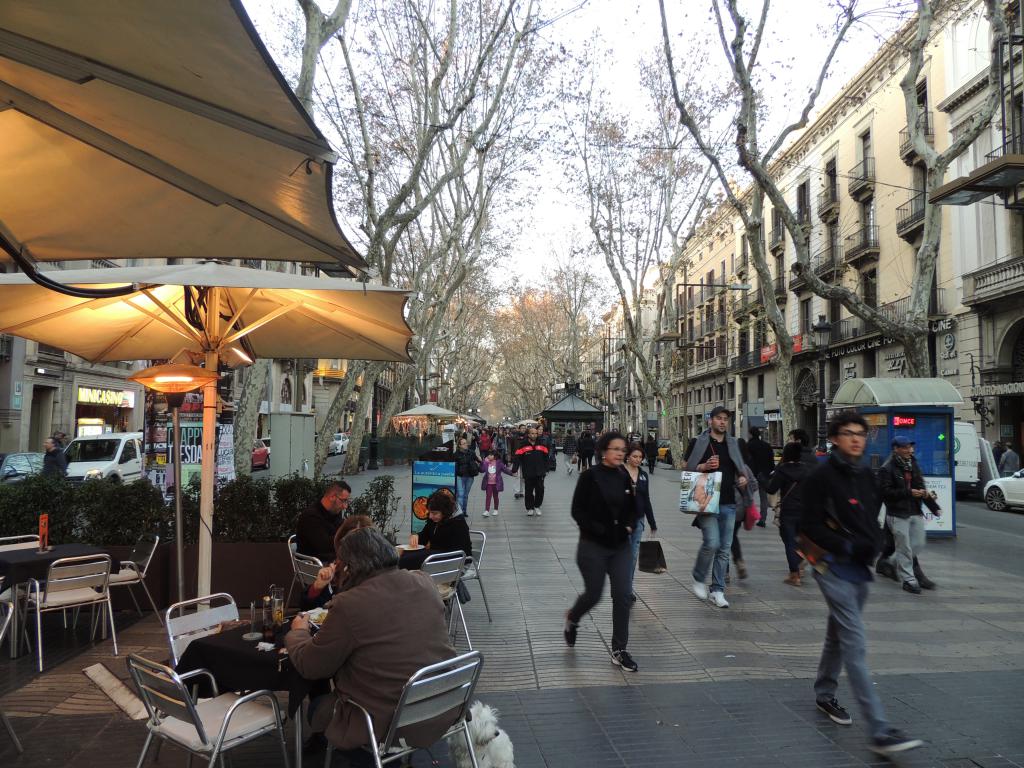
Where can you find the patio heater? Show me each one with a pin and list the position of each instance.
(174, 381)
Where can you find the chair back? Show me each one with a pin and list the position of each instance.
(434, 690)
(143, 551)
(163, 693)
(445, 568)
(478, 539)
(82, 572)
(199, 617)
(292, 546)
(306, 568)
(28, 541)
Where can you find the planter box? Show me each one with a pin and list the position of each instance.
(243, 570)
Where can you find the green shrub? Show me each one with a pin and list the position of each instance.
(379, 502)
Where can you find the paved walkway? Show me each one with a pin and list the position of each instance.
(949, 664)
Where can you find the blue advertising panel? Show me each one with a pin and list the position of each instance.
(427, 477)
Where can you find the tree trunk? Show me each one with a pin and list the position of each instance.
(370, 374)
(253, 389)
(333, 416)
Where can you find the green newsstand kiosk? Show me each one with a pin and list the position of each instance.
(921, 409)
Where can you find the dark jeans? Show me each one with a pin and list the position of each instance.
(787, 531)
(651, 461)
(586, 459)
(596, 561)
(534, 491)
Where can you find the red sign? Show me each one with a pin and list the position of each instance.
(904, 421)
(44, 532)
(798, 343)
(767, 353)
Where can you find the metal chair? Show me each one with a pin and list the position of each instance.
(446, 569)
(304, 569)
(479, 541)
(133, 570)
(6, 612)
(71, 582)
(429, 693)
(28, 541)
(175, 717)
(186, 627)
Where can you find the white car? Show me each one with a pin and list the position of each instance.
(113, 455)
(339, 444)
(1005, 492)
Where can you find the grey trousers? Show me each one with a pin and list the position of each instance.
(845, 645)
(909, 535)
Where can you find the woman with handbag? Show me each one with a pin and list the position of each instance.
(605, 511)
(642, 494)
(786, 481)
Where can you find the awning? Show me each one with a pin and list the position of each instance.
(156, 130)
(572, 408)
(896, 392)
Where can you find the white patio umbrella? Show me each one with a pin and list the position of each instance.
(214, 310)
(430, 410)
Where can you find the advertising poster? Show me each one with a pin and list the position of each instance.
(699, 492)
(427, 477)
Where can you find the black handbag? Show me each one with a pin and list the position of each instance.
(652, 557)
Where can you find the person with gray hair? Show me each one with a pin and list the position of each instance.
(382, 626)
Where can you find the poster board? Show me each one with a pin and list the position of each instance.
(427, 477)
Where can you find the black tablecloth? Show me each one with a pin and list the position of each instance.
(236, 665)
(20, 565)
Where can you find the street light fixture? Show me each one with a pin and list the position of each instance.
(175, 380)
(822, 335)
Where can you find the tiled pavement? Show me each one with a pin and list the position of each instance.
(949, 664)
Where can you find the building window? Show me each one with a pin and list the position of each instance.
(832, 180)
(803, 204)
(805, 317)
(760, 386)
(866, 149)
(869, 287)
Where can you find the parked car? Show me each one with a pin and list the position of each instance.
(665, 451)
(260, 455)
(1005, 492)
(113, 455)
(338, 445)
(15, 467)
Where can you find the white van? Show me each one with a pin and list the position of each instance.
(966, 458)
(114, 455)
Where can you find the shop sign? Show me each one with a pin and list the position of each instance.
(990, 390)
(767, 353)
(773, 414)
(860, 346)
(895, 362)
(849, 370)
(113, 397)
(798, 343)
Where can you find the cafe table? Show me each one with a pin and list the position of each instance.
(237, 665)
(18, 566)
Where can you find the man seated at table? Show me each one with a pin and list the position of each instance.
(443, 531)
(324, 587)
(315, 529)
(382, 626)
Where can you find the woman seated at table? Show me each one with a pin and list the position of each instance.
(443, 532)
(383, 625)
(323, 587)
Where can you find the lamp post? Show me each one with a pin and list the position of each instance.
(372, 462)
(822, 335)
(175, 380)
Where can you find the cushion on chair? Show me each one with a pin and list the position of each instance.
(70, 597)
(124, 575)
(249, 718)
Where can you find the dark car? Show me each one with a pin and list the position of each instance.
(15, 467)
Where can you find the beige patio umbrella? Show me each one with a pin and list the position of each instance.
(215, 310)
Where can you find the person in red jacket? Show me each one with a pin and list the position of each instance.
(531, 458)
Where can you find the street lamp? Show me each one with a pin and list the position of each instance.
(822, 335)
(175, 380)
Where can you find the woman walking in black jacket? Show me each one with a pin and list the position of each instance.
(604, 508)
(786, 480)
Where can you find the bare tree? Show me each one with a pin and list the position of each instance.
(254, 387)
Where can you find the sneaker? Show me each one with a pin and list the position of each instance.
(624, 660)
(571, 627)
(529, 513)
(911, 588)
(486, 513)
(539, 511)
(894, 741)
(700, 590)
(495, 513)
(835, 712)
(718, 598)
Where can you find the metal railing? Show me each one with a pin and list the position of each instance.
(862, 242)
(828, 198)
(778, 236)
(780, 285)
(827, 260)
(862, 175)
(910, 214)
(907, 139)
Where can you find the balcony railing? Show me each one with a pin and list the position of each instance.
(827, 261)
(745, 360)
(910, 216)
(780, 286)
(907, 140)
(850, 328)
(994, 281)
(862, 176)
(862, 244)
(778, 236)
(828, 200)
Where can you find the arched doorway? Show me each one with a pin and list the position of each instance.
(1010, 410)
(806, 397)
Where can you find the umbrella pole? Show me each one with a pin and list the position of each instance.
(209, 460)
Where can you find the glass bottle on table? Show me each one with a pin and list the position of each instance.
(268, 620)
(277, 605)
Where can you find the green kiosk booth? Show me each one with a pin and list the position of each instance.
(921, 409)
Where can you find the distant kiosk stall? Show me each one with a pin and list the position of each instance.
(573, 412)
(921, 409)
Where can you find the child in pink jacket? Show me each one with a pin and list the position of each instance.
(492, 483)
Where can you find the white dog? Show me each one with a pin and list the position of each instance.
(491, 744)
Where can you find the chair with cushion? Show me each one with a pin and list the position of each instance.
(446, 570)
(479, 542)
(71, 582)
(133, 570)
(207, 728)
(304, 569)
(430, 692)
(191, 619)
(6, 612)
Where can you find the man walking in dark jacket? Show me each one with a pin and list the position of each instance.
(531, 459)
(55, 463)
(807, 457)
(903, 492)
(762, 464)
(840, 537)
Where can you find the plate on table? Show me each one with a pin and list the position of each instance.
(408, 547)
(317, 616)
